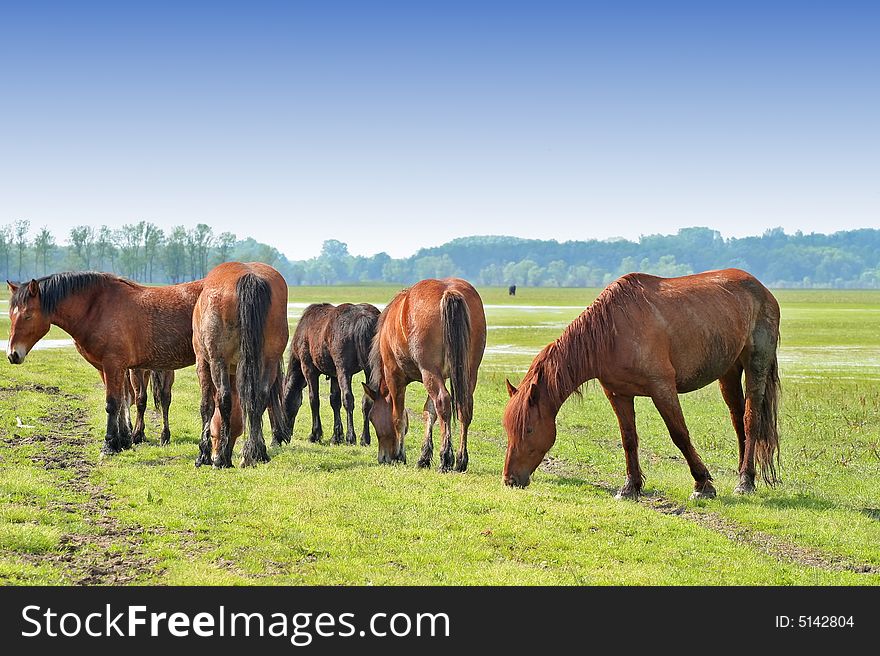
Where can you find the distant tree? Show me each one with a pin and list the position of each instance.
(105, 249)
(44, 242)
(5, 248)
(225, 242)
(198, 241)
(20, 229)
(153, 238)
(175, 254)
(129, 240)
(82, 239)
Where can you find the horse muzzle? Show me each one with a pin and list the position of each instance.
(512, 480)
(15, 356)
(387, 458)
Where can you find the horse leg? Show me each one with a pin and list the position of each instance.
(117, 437)
(314, 403)
(206, 409)
(167, 380)
(221, 451)
(254, 449)
(366, 406)
(336, 406)
(430, 415)
(666, 401)
(294, 383)
(465, 416)
(443, 406)
(138, 379)
(624, 410)
(757, 378)
(344, 378)
(281, 429)
(732, 393)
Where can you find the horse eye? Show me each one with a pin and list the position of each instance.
(528, 430)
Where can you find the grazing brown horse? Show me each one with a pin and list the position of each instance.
(434, 330)
(659, 337)
(116, 325)
(239, 334)
(161, 382)
(334, 341)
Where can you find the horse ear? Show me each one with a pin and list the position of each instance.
(33, 288)
(534, 394)
(511, 390)
(369, 391)
(12, 286)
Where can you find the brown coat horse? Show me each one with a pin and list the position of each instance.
(434, 330)
(333, 340)
(239, 334)
(116, 325)
(659, 337)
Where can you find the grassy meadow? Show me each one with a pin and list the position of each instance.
(320, 514)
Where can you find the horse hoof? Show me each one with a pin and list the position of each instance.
(423, 464)
(627, 494)
(703, 494)
(744, 488)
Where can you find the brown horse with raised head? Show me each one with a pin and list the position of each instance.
(116, 325)
(240, 331)
(432, 331)
(333, 340)
(161, 382)
(659, 337)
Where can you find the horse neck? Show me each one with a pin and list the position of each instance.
(568, 363)
(70, 313)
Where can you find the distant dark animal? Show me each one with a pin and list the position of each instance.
(240, 331)
(161, 382)
(116, 325)
(334, 341)
(511, 291)
(659, 337)
(432, 331)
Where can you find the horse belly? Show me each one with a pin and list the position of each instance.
(700, 367)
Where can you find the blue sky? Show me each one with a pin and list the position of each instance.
(396, 125)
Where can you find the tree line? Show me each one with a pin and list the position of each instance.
(142, 251)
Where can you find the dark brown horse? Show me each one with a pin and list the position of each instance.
(432, 331)
(659, 337)
(239, 334)
(116, 325)
(161, 382)
(334, 341)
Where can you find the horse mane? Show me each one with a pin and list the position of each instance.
(377, 372)
(573, 358)
(56, 287)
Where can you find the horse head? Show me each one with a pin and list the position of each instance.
(389, 429)
(530, 423)
(28, 323)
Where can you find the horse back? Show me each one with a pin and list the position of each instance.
(699, 325)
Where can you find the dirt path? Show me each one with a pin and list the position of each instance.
(109, 553)
(770, 545)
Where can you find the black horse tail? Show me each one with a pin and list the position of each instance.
(767, 435)
(254, 299)
(455, 320)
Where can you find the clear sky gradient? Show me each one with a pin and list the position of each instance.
(396, 125)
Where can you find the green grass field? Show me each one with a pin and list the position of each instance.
(320, 514)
